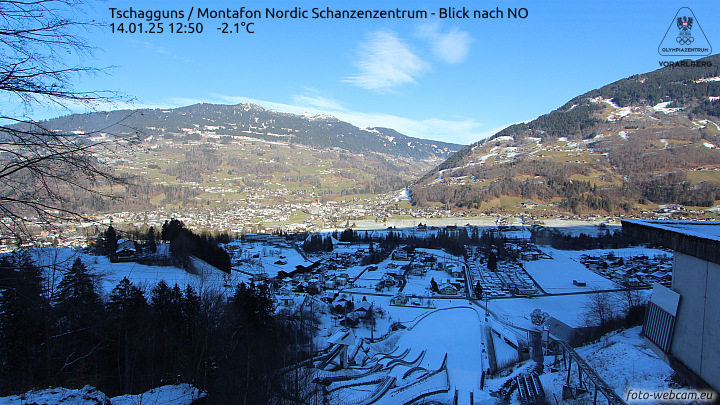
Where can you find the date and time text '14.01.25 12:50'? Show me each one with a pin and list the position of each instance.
(178, 28)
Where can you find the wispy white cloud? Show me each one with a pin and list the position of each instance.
(316, 99)
(154, 47)
(452, 46)
(463, 131)
(385, 63)
(162, 51)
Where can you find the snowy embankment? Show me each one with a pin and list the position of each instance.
(516, 311)
(181, 394)
(621, 359)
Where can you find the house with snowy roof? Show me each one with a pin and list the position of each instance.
(126, 250)
(447, 289)
(363, 307)
(682, 322)
(286, 300)
(352, 319)
(341, 302)
(399, 299)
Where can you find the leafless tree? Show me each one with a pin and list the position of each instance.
(41, 53)
(632, 305)
(629, 299)
(599, 310)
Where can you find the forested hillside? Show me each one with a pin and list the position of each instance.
(141, 337)
(645, 140)
(220, 156)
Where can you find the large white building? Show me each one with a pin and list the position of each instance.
(682, 323)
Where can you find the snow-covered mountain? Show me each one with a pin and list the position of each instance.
(254, 121)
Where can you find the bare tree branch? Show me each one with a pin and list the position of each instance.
(42, 170)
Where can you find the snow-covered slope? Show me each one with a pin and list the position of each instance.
(181, 394)
(55, 261)
(623, 360)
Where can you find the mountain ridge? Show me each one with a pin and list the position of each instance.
(220, 157)
(637, 141)
(254, 121)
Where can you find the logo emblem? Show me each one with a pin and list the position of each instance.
(685, 37)
(684, 25)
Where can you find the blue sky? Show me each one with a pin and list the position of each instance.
(446, 79)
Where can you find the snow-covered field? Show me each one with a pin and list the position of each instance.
(417, 285)
(55, 261)
(516, 311)
(556, 275)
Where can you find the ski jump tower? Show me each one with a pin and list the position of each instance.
(342, 340)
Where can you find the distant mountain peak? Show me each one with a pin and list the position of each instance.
(319, 117)
(306, 115)
(251, 107)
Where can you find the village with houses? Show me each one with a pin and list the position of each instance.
(371, 312)
(362, 203)
(259, 217)
(407, 320)
(405, 314)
